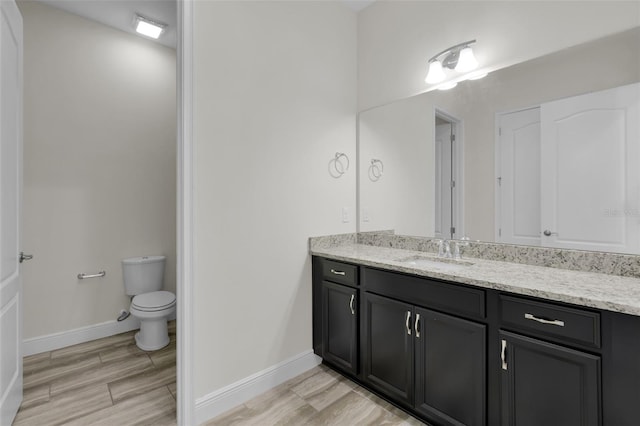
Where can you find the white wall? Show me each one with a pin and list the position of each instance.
(397, 38)
(275, 99)
(573, 71)
(99, 165)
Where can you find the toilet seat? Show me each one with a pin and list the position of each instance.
(154, 301)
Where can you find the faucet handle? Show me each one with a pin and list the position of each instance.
(447, 248)
(456, 249)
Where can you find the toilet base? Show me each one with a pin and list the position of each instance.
(153, 335)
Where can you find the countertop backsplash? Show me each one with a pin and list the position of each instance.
(624, 265)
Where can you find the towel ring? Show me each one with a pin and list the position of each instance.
(376, 169)
(337, 165)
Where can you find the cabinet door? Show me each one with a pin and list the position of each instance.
(340, 326)
(547, 384)
(388, 347)
(450, 369)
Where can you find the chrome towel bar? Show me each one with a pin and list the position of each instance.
(98, 275)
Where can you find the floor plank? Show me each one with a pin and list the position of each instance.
(140, 410)
(112, 382)
(106, 381)
(318, 397)
(66, 407)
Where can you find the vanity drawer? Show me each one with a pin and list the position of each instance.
(444, 296)
(555, 322)
(339, 272)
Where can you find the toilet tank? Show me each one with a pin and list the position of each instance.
(142, 274)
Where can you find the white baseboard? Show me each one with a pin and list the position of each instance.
(63, 339)
(51, 342)
(221, 400)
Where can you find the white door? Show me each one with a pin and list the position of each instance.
(590, 171)
(443, 179)
(10, 199)
(518, 178)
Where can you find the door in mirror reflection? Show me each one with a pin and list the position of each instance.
(567, 173)
(518, 177)
(443, 178)
(590, 155)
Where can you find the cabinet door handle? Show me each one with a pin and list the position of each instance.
(407, 323)
(559, 323)
(333, 271)
(503, 354)
(353, 298)
(417, 326)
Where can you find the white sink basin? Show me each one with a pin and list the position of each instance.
(434, 262)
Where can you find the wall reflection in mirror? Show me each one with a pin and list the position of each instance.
(545, 152)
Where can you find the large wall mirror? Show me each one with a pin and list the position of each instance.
(545, 152)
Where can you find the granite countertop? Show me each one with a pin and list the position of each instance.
(602, 291)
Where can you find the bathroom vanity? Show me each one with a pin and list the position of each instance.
(480, 342)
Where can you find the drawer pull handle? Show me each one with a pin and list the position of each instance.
(407, 323)
(353, 311)
(333, 271)
(544, 321)
(417, 326)
(503, 354)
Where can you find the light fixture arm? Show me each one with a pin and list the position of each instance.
(452, 49)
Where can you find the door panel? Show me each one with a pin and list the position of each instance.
(443, 178)
(388, 346)
(450, 369)
(590, 156)
(547, 384)
(519, 177)
(340, 326)
(10, 198)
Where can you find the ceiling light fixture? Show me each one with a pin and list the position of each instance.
(459, 58)
(149, 28)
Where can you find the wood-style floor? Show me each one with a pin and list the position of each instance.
(318, 397)
(103, 382)
(111, 382)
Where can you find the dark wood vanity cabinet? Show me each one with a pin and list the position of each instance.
(450, 364)
(340, 326)
(428, 361)
(543, 382)
(387, 346)
(548, 384)
(454, 354)
(335, 317)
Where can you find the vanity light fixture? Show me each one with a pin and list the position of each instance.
(447, 86)
(459, 58)
(149, 28)
(478, 75)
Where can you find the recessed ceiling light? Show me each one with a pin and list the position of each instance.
(149, 28)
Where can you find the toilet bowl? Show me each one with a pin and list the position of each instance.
(153, 309)
(143, 278)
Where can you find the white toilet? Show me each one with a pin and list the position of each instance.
(143, 277)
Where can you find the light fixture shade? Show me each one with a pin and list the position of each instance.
(478, 75)
(447, 86)
(435, 74)
(466, 61)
